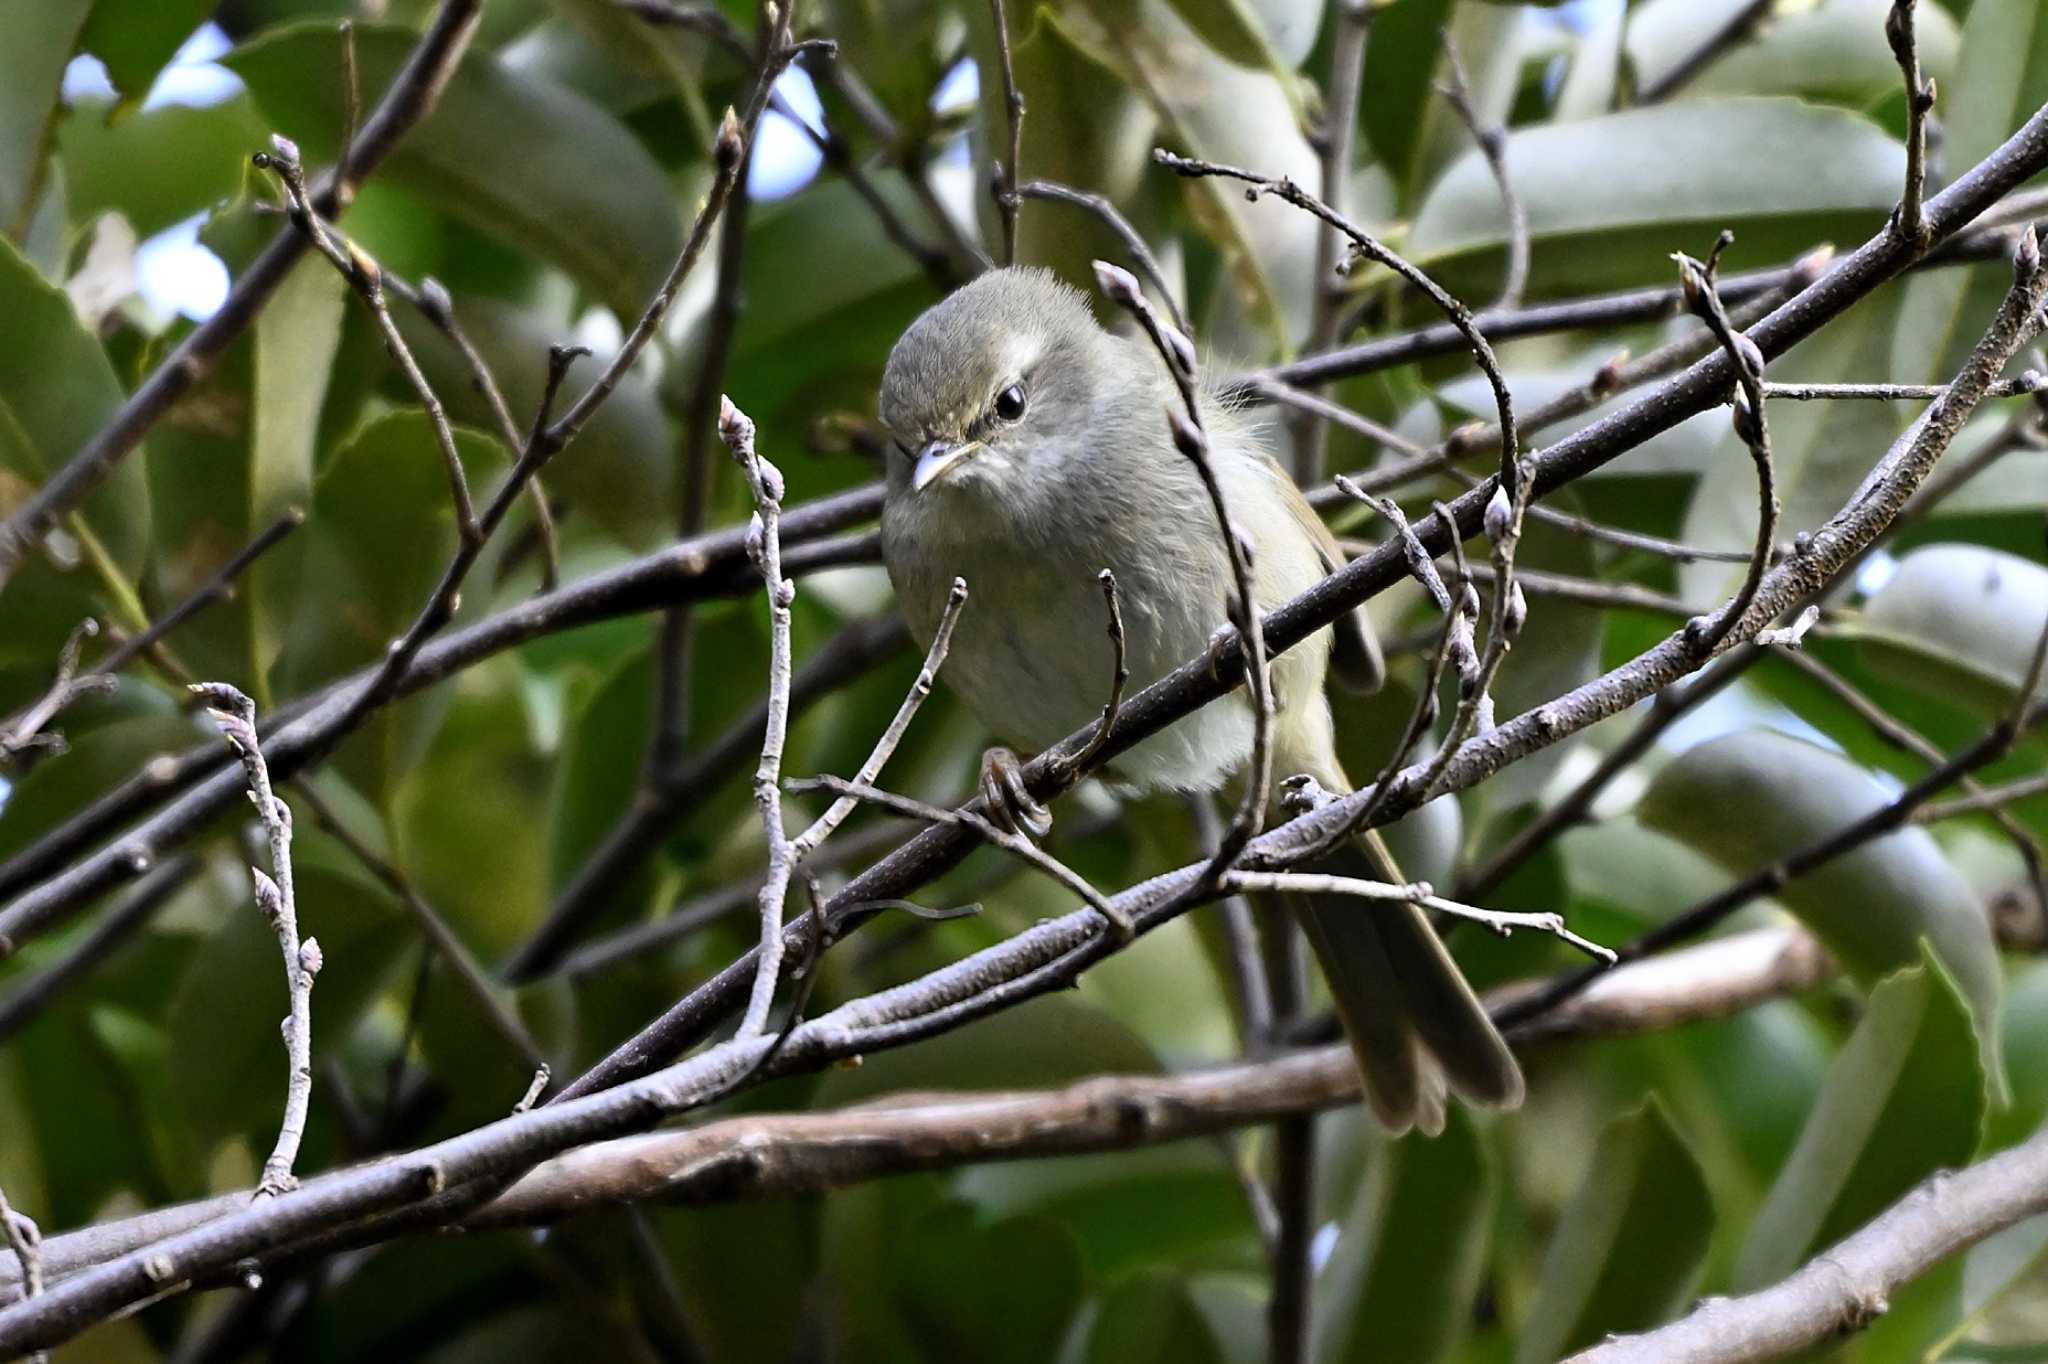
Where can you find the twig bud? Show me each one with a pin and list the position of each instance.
(1742, 417)
(1517, 614)
(1179, 348)
(269, 898)
(1187, 437)
(1692, 281)
(1751, 354)
(1500, 515)
(1812, 265)
(2026, 254)
(730, 142)
(1117, 284)
(311, 959)
(1607, 379)
(435, 302)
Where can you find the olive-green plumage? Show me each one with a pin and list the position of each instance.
(1031, 451)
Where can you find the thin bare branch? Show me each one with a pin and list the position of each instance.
(764, 480)
(1177, 353)
(1106, 212)
(1368, 247)
(24, 738)
(1845, 1288)
(1909, 217)
(1004, 180)
(235, 714)
(1747, 408)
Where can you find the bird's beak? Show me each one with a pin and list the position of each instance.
(936, 458)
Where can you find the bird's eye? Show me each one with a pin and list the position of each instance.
(1010, 403)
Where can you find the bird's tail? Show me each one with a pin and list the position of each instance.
(1413, 1021)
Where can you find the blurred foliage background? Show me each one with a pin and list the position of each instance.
(548, 192)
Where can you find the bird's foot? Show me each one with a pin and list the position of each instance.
(1302, 794)
(1010, 805)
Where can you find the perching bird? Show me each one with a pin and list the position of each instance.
(1031, 451)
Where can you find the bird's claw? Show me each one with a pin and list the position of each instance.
(1010, 806)
(1302, 794)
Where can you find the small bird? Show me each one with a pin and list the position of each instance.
(1031, 451)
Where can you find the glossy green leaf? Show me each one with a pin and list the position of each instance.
(1834, 52)
(156, 167)
(1959, 621)
(40, 40)
(56, 389)
(1152, 1319)
(533, 164)
(1411, 1253)
(136, 38)
(1086, 128)
(479, 784)
(1628, 1252)
(1904, 1098)
(1024, 1272)
(297, 337)
(1211, 107)
(1608, 198)
(379, 533)
(1758, 795)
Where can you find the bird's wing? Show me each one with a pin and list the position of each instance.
(1356, 658)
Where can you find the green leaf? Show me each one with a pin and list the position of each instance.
(510, 154)
(40, 40)
(1608, 198)
(1588, 90)
(1834, 52)
(1002, 1292)
(1215, 109)
(56, 389)
(1086, 127)
(156, 167)
(379, 533)
(1152, 1319)
(297, 336)
(1958, 621)
(136, 38)
(1411, 1253)
(1401, 60)
(1628, 1252)
(1904, 1098)
(478, 785)
(1752, 797)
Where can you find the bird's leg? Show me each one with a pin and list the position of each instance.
(1302, 794)
(1010, 805)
